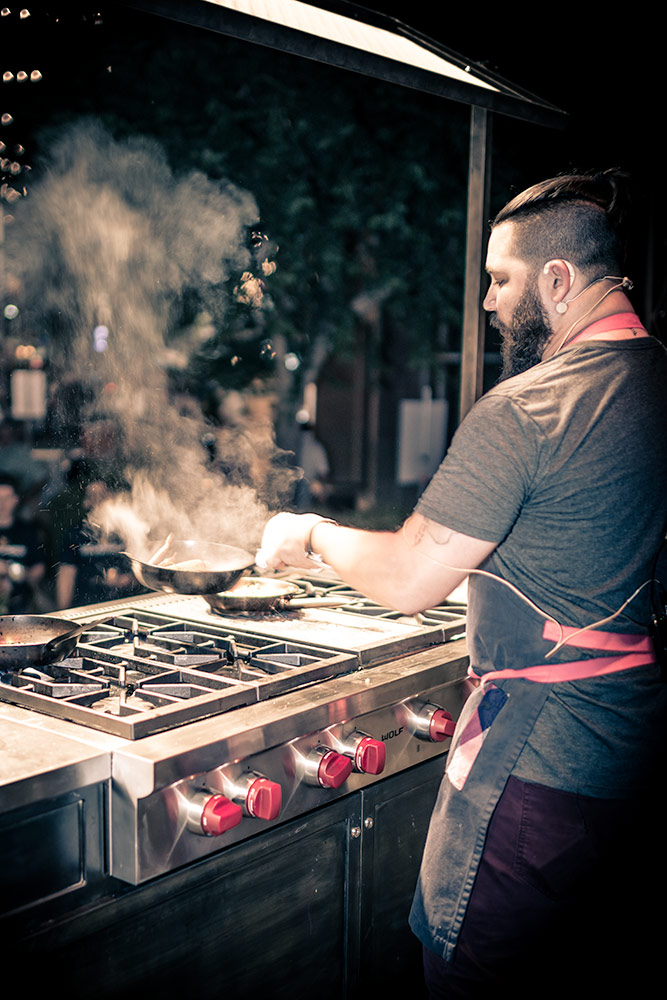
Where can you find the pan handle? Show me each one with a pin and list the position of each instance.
(53, 646)
(315, 602)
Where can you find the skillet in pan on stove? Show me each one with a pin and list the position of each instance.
(264, 594)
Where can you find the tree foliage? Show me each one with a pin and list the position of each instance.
(360, 184)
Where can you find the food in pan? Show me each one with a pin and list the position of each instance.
(189, 565)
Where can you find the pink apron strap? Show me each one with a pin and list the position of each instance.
(617, 321)
(632, 651)
(576, 670)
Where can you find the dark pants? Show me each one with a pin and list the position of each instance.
(557, 899)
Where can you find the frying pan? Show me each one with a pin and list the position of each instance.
(33, 640)
(263, 594)
(224, 564)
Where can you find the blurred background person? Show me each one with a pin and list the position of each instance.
(22, 564)
(314, 486)
(17, 460)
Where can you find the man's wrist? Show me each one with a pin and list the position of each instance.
(309, 546)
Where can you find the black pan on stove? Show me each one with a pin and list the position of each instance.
(264, 594)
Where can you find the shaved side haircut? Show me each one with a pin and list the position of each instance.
(577, 217)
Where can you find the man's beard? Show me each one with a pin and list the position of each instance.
(524, 337)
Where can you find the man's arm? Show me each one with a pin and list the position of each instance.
(411, 569)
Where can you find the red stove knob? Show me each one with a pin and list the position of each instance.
(252, 791)
(325, 767)
(427, 721)
(219, 815)
(264, 799)
(334, 770)
(370, 756)
(441, 725)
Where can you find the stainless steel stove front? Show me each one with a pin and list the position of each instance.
(218, 728)
(173, 794)
(297, 798)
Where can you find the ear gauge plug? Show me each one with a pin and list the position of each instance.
(561, 307)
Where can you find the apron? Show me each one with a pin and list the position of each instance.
(480, 760)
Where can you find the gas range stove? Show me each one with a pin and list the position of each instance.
(216, 727)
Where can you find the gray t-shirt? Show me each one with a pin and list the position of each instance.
(565, 467)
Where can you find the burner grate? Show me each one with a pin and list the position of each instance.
(162, 661)
(142, 674)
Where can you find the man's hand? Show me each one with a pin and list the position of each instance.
(285, 541)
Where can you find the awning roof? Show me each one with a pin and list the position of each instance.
(354, 38)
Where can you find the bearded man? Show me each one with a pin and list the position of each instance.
(552, 499)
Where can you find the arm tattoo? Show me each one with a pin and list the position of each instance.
(447, 536)
(425, 529)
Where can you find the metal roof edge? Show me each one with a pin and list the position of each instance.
(389, 23)
(506, 98)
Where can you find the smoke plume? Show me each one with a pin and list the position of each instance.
(104, 249)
